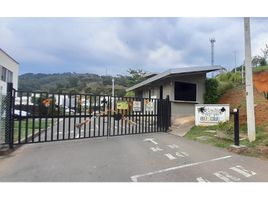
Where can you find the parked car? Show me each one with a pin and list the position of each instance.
(69, 110)
(20, 113)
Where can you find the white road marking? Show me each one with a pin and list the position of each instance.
(182, 154)
(179, 154)
(200, 179)
(173, 146)
(241, 170)
(135, 177)
(150, 140)
(154, 149)
(170, 157)
(226, 177)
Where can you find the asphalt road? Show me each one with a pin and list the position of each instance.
(150, 157)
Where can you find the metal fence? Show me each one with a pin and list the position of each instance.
(2, 117)
(34, 117)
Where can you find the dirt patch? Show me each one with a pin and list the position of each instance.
(262, 150)
(260, 80)
(236, 97)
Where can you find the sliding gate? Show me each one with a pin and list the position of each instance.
(44, 117)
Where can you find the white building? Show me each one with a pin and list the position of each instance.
(9, 71)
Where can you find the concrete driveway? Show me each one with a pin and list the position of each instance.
(160, 157)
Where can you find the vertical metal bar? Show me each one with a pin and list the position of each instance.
(99, 118)
(58, 118)
(52, 117)
(75, 108)
(19, 118)
(69, 120)
(122, 121)
(13, 113)
(95, 107)
(127, 117)
(27, 118)
(40, 113)
(109, 115)
(64, 116)
(80, 109)
(33, 117)
(144, 112)
(9, 135)
(155, 114)
(85, 113)
(113, 108)
(90, 116)
(132, 116)
(47, 112)
(104, 115)
(140, 121)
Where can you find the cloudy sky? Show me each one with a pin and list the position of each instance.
(92, 45)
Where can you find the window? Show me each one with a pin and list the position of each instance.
(9, 76)
(4, 74)
(161, 92)
(184, 91)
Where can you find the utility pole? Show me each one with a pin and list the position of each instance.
(113, 93)
(113, 86)
(212, 41)
(242, 72)
(249, 83)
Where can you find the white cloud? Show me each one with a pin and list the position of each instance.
(92, 44)
(164, 56)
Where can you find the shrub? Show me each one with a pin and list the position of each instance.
(223, 87)
(211, 96)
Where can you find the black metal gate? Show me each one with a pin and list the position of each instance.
(45, 117)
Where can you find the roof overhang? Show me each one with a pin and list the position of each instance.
(176, 71)
(9, 56)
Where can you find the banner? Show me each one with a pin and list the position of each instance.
(122, 105)
(148, 105)
(211, 114)
(136, 106)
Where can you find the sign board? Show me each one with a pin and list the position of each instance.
(211, 114)
(136, 106)
(122, 105)
(148, 105)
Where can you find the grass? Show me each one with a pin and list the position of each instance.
(198, 131)
(29, 128)
(253, 148)
(260, 68)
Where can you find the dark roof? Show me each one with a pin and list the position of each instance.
(183, 70)
(9, 56)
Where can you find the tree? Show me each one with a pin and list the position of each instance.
(260, 60)
(211, 96)
(135, 76)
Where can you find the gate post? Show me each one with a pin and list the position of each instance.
(167, 113)
(236, 127)
(9, 118)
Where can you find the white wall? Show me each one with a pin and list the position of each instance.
(179, 108)
(11, 65)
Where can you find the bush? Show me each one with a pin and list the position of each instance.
(223, 87)
(211, 96)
